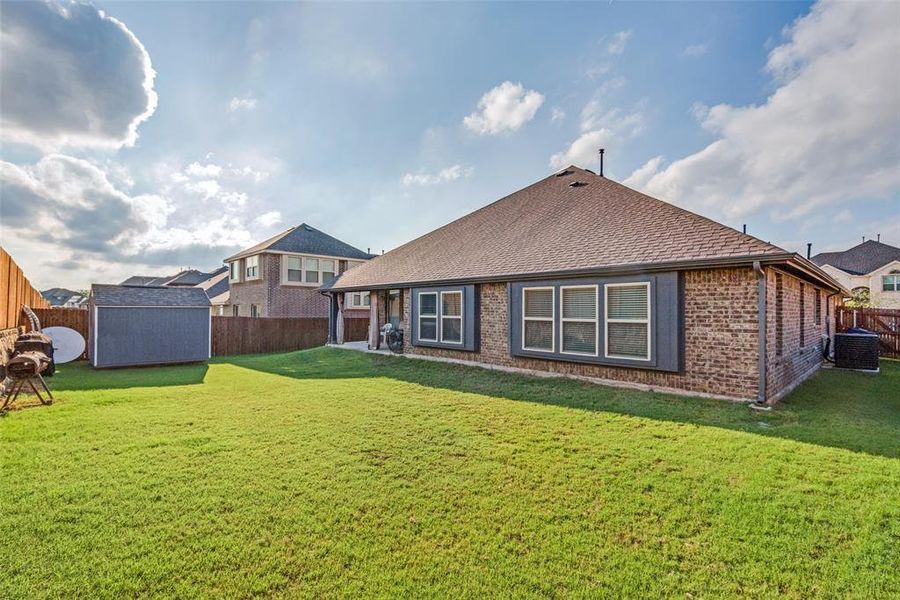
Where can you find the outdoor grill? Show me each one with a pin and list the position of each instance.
(32, 358)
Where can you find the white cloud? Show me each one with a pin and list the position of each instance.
(443, 176)
(623, 123)
(644, 173)
(505, 108)
(71, 76)
(245, 103)
(269, 219)
(583, 151)
(695, 50)
(557, 115)
(257, 175)
(206, 188)
(207, 170)
(827, 134)
(57, 203)
(617, 44)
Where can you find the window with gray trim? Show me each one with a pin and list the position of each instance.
(428, 316)
(451, 316)
(445, 317)
(539, 307)
(629, 320)
(579, 319)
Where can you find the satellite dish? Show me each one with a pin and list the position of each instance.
(67, 344)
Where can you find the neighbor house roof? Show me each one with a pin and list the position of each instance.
(570, 222)
(126, 295)
(59, 296)
(304, 239)
(146, 280)
(188, 277)
(860, 259)
(219, 288)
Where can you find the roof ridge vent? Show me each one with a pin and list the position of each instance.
(577, 184)
(564, 173)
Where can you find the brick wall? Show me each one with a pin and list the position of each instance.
(720, 338)
(274, 299)
(788, 360)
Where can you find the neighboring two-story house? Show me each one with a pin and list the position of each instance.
(281, 276)
(870, 266)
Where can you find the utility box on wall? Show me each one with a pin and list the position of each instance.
(135, 326)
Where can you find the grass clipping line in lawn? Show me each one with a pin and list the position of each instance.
(333, 473)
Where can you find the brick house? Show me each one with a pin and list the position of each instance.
(280, 277)
(871, 266)
(578, 275)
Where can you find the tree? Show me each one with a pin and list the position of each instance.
(860, 298)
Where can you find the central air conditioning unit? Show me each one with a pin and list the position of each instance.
(856, 349)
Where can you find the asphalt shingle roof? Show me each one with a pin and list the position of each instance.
(553, 226)
(860, 259)
(305, 239)
(126, 295)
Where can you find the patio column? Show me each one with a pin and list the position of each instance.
(339, 325)
(374, 334)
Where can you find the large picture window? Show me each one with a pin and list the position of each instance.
(579, 319)
(428, 316)
(633, 321)
(451, 317)
(538, 327)
(628, 320)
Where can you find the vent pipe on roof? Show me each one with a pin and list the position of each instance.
(879, 238)
(745, 228)
(602, 150)
(808, 249)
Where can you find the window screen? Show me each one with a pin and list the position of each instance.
(628, 321)
(428, 316)
(327, 271)
(579, 320)
(294, 269)
(537, 315)
(312, 270)
(252, 267)
(451, 317)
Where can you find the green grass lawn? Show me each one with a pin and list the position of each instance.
(333, 473)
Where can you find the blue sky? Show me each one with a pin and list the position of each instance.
(379, 122)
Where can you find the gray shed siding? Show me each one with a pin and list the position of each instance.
(131, 336)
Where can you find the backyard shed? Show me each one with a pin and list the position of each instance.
(138, 325)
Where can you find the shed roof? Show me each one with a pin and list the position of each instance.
(571, 221)
(127, 295)
(305, 239)
(861, 259)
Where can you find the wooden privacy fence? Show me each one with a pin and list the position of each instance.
(15, 291)
(249, 335)
(356, 330)
(883, 321)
